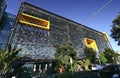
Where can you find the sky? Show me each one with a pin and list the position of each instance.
(96, 14)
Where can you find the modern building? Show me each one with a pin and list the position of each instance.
(36, 31)
(6, 24)
(2, 11)
(2, 8)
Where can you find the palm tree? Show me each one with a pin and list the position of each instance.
(8, 59)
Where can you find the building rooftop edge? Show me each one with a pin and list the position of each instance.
(61, 17)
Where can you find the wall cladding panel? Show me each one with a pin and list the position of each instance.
(40, 43)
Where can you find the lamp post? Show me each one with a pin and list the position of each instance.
(71, 62)
(113, 59)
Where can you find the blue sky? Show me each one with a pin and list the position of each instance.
(79, 11)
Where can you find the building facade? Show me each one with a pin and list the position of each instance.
(36, 31)
(6, 24)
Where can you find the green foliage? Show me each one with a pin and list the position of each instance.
(55, 66)
(90, 57)
(103, 59)
(108, 55)
(63, 54)
(8, 60)
(115, 31)
(86, 63)
(90, 54)
(74, 66)
(66, 75)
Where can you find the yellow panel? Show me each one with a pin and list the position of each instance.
(31, 24)
(34, 21)
(90, 43)
(106, 36)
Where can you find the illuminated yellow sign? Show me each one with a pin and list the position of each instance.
(90, 43)
(34, 21)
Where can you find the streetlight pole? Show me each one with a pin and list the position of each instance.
(71, 62)
(113, 60)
